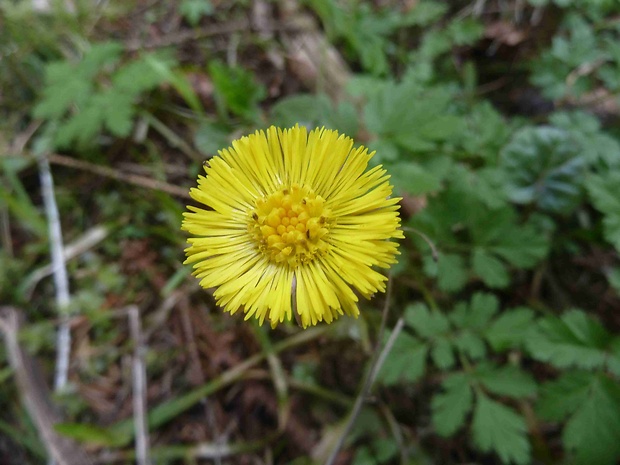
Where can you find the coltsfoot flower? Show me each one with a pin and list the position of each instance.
(294, 224)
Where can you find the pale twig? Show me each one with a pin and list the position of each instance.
(61, 281)
(35, 395)
(87, 241)
(139, 388)
(377, 360)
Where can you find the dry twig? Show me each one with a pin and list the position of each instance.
(135, 179)
(35, 394)
(139, 388)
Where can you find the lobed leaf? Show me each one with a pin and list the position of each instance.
(406, 362)
(450, 407)
(507, 380)
(498, 428)
(509, 330)
(574, 340)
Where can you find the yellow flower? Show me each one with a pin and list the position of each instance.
(294, 224)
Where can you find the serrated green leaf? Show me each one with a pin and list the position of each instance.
(477, 314)
(385, 449)
(614, 279)
(507, 380)
(603, 191)
(386, 117)
(487, 132)
(574, 340)
(522, 246)
(510, 329)
(138, 76)
(484, 184)
(98, 92)
(413, 178)
(593, 430)
(163, 67)
(442, 354)
(316, 111)
(500, 429)
(300, 108)
(236, 88)
(427, 324)
(193, 10)
(424, 13)
(450, 407)
(543, 166)
(490, 269)
(386, 151)
(451, 272)
(470, 344)
(406, 362)
(465, 31)
(560, 398)
(499, 233)
(594, 144)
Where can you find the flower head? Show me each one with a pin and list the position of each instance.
(294, 224)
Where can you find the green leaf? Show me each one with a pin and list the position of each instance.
(477, 314)
(470, 344)
(412, 178)
(210, 137)
(603, 191)
(574, 340)
(498, 428)
(451, 272)
(521, 245)
(490, 269)
(193, 10)
(484, 184)
(593, 430)
(68, 83)
(560, 398)
(507, 380)
(465, 31)
(499, 233)
(575, 44)
(388, 118)
(84, 98)
(163, 68)
(442, 354)
(593, 143)
(613, 361)
(487, 132)
(406, 362)
(450, 407)
(427, 324)
(90, 434)
(510, 329)
(614, 279)
(542, 166)
(237, 89)
(316, 111)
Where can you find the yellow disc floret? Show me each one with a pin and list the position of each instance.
(290, 225)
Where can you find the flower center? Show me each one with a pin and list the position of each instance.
(290, 225)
